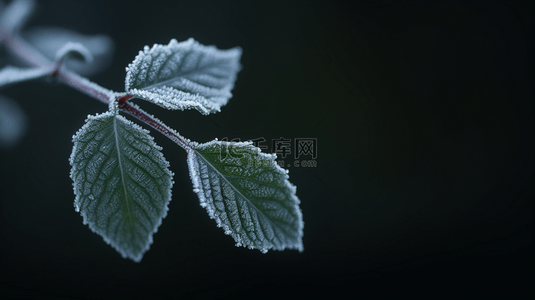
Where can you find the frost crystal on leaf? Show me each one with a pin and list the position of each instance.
(121, 181)
(247, 194)
(184, 75)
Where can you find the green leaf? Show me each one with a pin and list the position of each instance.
(121, 181)
(184, 75)
(247, 194)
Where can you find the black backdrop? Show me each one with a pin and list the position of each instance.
(423, 115)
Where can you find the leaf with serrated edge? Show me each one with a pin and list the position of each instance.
(247, 194)
(184, 75)
(121, 181)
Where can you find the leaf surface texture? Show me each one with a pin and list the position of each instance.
(121, 181)
(247, 194)
(184, 75)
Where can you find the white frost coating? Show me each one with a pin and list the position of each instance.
(74, 49)
(247, 194)
(184, 75)
(50, 39)
(109, 94)
(15, 15)
(9, 74)
(183, 142)
(121, 181)
(13, 123)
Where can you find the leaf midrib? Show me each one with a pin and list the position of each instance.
(177, 76)
(239, 192)
(126, 200)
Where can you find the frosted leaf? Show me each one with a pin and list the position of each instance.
(50, 39)
(184, 75)
(247, 194)
(75, 50)
(121, 181)
(13, 123)
(15, 15)
(9, 74)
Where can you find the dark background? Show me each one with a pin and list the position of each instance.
(424, 116)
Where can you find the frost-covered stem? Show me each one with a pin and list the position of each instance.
(83, 85)
(25, 50)
(32, 56)
(156, 124)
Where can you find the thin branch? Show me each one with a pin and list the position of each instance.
(85, 86)
(32, 56)
(153, 122)
(24, 50)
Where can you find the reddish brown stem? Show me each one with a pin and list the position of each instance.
(32, 56)
(156, 124)
(123, 99)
